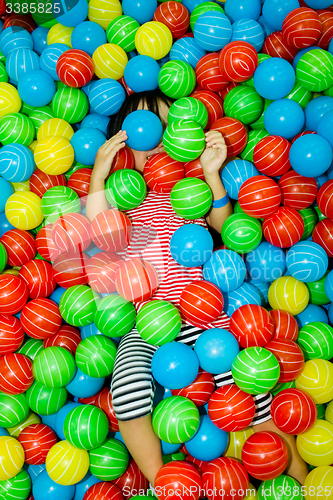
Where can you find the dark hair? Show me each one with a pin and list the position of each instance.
(131, 103)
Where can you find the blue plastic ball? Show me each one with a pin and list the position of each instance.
(50, 420)
(21, 61)
(71, 12)
(316, 109)
(284, 117)
(142, 10)
(275, 11)
(226, 269)
(329, 285)
(16, 163)
(209, 442)
(265, 26)
(212, 31)
(61, 416)
(3, 432)
(89, 330)
(35, 470)
(187, 50)
(245, 294)
(325, 126)
(88, 36)
(318, 4)
(311, 155)
(36, 88)
(86, 142)
(266, 263)
(13, 38)
(330, 313)
(5, 225)
(235, 173)
(49, 58)
(174, 365)
(321, 179)
(39, 36)
(141, 73)
(106, 96)
(44, 488)
(83, 386)
(274, 78)
(216, 349)
(307, 261)
(192, 4)
(263, 292)
(240, 9)
(144, 130)
(6, 190)
(250, 31)
(191, 245)
(95, 120)
(301, 54)
(311, 313)
(84, 485)
(56, 295)
(168, 448)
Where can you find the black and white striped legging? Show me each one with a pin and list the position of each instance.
(133, 387)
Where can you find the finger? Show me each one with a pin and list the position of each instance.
(115, 141)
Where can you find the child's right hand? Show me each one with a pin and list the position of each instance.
(106, 154)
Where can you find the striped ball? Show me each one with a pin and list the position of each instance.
(12, 458)
(40, 318)
(16, 127)
(226, 269)
(95, 356)
(109, 61)
(231, 409)
(234, 134)
(111, 230)
(125, 189)
(324, 198)
(301, 28)
(78, 305)
(213, 104)
(65, 464)
(38, 116)
(23, 210)
(289, 356)
(238, 61)
(69, 269)
(158, 322)
(285, 325)
(11, 334)
(184, 140)
(20, 246)
(314, 70)
(259, 196)
(40, 182)
(175, 419)
(201, 302)
(293, 411)
(209, 75)
(45, 245)
(189, 480)
(44, 400)
(86, 427)
(109, 461)
(186, 49)
(103, 12)
(49, 57)
(14, 409)
(59, 200)
(153, 39)
(320, 479)
(200, 390)
(79, 181)
(316, 341)
(59, 34)
(188, 108)
(19, 486)
(191, 198)
(245, 294)
(289, 294)
(326, 20)
(70, 104)
(241, 233)
(31, 348)
(38, 276)
(104, 402)
(101, 272)
(15, 373)
(307, 261)
(16, 163)
(244, 104)
(251, 325)
(13, 294)
(114, 316)
(37, 439)
(254, 137)
(227, 475)
(176, 79)
(54, 155)
(275, 45)
(106, 97)
(322, 234)
(316, 445)
(201, 9)
(297, 191)
(137, 280)
(175, 16)
(10, 101)
(75, 68)
(212, 31)
(284, 228)
(161, 172)
(72, 231)
(271, 155)
(106, 490)
(317, 380)
(54, 367)
(265, 455)
(255, 370)
(121, 31)
(55, 126)
(67, 337)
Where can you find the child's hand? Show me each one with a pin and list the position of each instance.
(214, 154)
(106, 154)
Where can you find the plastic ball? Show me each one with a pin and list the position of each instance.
(6, 191)
(161, 172)
(12, 457)
(75, 68)
(31, 348)
(238, 9)
(289, 356)
(216, 349)
(248, 30)
(58, 201)
(86, 427)
(19, 245)
(103, 12)
(212, 102)
(225, 474)
(191, 245)
(67, 337)
(43, 485)
(289, 294)
(186, 49)
(141, 73)
(231, 409)
(88, 36)
(284, 228)
(245, 294)
(316, 340)
(235, 174)
(238, 61)
(322, 235)
(298, 191)
(302, 28)
(36, 88)
(208, 73)
(226, 269)
(184, 140)
(10, 100)
(244, 104)
(13, 294)
(271, 489)
(71, 232)
(109, 461)
(40, 318)
(105, 490)
(16, 163)
(37, 439)
(23, 210)
(274, 78)
(153, 39)
(209, 442)
(212, 30)
(315, 445)
(50, 56)
(293, 411)
(175, 16)
(200, 390)
(266, 263)
(251, 325)
(16, 373)
(65, 464)
(314, 69)
(307, 261)
(316, 379)
(306, 151)
(40, 182)
(176, 79)
(200, 8)
(54, 367)
(158, 322)
(324, 199)
(83, 386)
(100, 361)
(284, 117)
(241, 233)
(78, 305)
(201, 302)
(114, 316)
(136, 280)
(191, 198)
(179, 476)
(259, 196)
(70, 104)
(125, 189)
(18, 486)
(54, 155)
(274, 12)
(38, 276)
(144, 130)
(121, 31)
(14, 410)
(111, 230)
(319, 479)
(11, 334)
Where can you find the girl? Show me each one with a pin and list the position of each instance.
(154, 222)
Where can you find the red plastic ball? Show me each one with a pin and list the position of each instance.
(20, 246)
(37, 440)
(38, 276)
(67, 337)
(290, 358)
(293, 411)
(199, 464)
(238, 61)
(298, 192)
(79, 181)
(178, 479)
(223, 93)
(11, 334)
(305, 132)
(136, 280)
(276, 46)
(162, 172)
(41, 318)
(126, 87)
(213, 104)
(132, 480)
(103, 491)
(208, 73)
(259, 196)
(40, 182)
(271, 155)
(101, 272)
(301, 28)
(200, 390)
(201, 302)
(75, 68)
(326, 19)
(70, 269)
(111, 230)
(285, 325)
(265, 455)
(175, 16)
(194, 169)
(251, 325)
(284, 228)
(323, 235)
(231, 409)
(325, 199)
(15, 373)
(13, 294)
(104, 402)
(72, 232)
(23, 21)
(225, 478)
(45, 244)
(234, 134)
(123, 159)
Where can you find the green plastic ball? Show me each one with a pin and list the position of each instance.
(281, 488)
(300, 94)
(95, 356)
(238, 209)
(191, 198)
(176, 79)
(76, 166)
(244, 104)
(13, 409)
(254, 137)
(54, 367)
(280, 386)
(2, 58)
(31, 348)
(158, 322)
(39, 115)
(184, 140)
(172, 457)
(321, 409)
(115, 316)
(259, 124)
(59, 200)
(44, 15)
(310, 220)
(70, 104)
(3, 73)
(121, 31)
(255, 370)
(78, 305)
(45, 400)
(16, 128)
(241, 233)
(201, 9)
(329, 92)
(86, 427)
(317, 292)
(261, 58)
(3, 257)
(109, 461)
(125, 189)
(16, 488)
(316, 341)
(176, 419)
(26, 108)
(188, 108)
(314, 70)
(320, 215)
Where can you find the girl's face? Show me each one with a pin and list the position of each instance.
(141, 157)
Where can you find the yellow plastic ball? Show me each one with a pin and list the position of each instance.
(10, 101)
(32, 145)
(15, 272)
(329, 412)
(59, 34)
(21, 186)
(236, 442)
(110, 61)
(252, 493)
(103, 12)
(317, 380)
(153, 39)
(319, 484)
(23, 210)
(55, 126)
(66, 464)
(54, 155)
(316, 445)
(289, 294)
(11, 457)
(31, 419)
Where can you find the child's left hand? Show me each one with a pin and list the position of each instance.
(214, 154)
